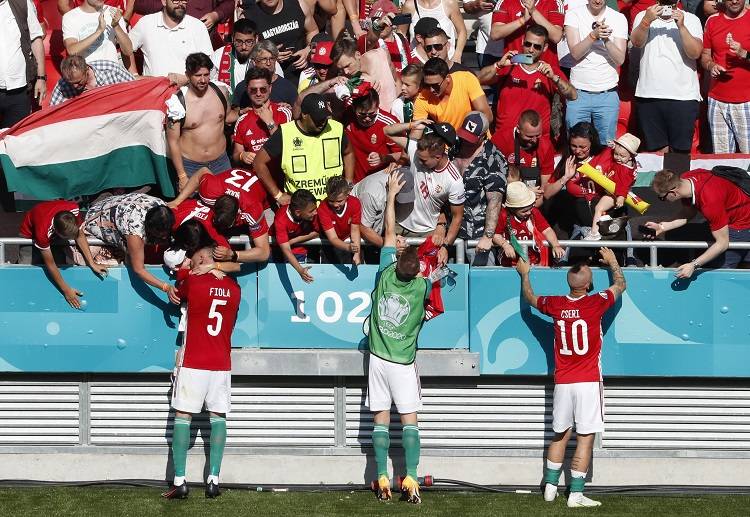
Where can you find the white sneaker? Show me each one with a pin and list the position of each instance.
(550, 492)
(578, 500)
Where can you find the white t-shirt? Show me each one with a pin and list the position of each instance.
(484, 44)
(665, 71)
(78, 25)
(12, 61)
(596, 72)
(563, 52)
(433, 189)
(165, 49)
(371, 192)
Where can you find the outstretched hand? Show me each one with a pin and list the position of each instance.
(522, 267)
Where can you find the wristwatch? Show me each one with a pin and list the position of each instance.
(489, 234)
(271, 125)
(695, 264)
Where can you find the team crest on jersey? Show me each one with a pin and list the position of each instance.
(374, 139)
(533, 162)
(438, 189)
(392, 311)
(297, 142)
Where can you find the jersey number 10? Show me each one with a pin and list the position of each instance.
(580, 345)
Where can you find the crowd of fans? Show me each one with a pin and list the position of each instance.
(291, 127)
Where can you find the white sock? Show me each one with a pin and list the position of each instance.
(179, 480)
(577, 474)
(215, 479)
(553, 466)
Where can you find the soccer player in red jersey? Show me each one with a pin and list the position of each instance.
(194, 209)
(248, 190)
(339, 217)
(204, 376)
(578, 376)
(58, 220)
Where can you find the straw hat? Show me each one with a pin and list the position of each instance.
(631, 143)
(518, 195)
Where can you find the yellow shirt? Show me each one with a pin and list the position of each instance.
(451, 108)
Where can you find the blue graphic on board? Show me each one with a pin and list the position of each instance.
(125, 325)
(331, 311)
(660, 326)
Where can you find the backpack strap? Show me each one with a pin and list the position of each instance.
(181, 97)
(221, 95)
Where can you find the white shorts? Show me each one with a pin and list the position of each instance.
(581, 403)
(389, 382)
(193, 388)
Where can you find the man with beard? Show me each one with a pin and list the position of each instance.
(232, 61)
(529, 152)
(211, 13)
(522, 87)
(262, 119)
(309, 150)
(167, 38)
(196, 116)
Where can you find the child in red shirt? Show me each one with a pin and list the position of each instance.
(623, 173)
(339, 217)
(296, 223)
(521, 220)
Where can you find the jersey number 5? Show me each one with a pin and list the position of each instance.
(580, 346)
(215, 330)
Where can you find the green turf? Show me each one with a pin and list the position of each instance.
(138, 502)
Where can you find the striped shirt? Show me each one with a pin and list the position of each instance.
(105, 72)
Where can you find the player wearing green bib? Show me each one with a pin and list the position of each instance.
(395, 321)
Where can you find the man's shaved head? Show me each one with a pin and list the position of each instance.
(579, 277)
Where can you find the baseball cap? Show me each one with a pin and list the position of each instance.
(382, 7)
(425, 26)
(321, 36)
(474, 126)
(444, 131)
(322, 55)
(406, 195)
(315, 105)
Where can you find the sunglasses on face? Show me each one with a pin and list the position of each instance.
(261, 89)
(367, 115)
(664, 197)
(536, 46)
(435, 87)
(437, 47)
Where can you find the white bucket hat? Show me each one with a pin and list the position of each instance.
(518, 195)
(631, 143)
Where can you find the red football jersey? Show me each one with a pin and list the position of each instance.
(286, 228)
(351, 213)
(211, 314)
(194, 209)
(37, 223)
(511, 10)
(581, 186)
(543, 157)
(251, 133)
(522, 230)
(734, 85)
(720, 201)
(578, 334)
(521, 90)
(246, 187)
(366, 140)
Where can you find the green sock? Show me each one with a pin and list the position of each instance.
(180, 442)
(381, 441)
(410, 442)
(577, 483)
(552, 476)
(218, 441)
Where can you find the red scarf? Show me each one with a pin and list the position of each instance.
(226, 68)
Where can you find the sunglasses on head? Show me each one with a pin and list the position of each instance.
(528, 44)
(437, 47)
(261, 89)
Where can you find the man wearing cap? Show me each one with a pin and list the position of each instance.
(309, 150)
(381, 34)
(448, 97)
(529, 152)
(320, 63)
(484, 170)
(722, 202)
(522, 87)
(422, 28)
(435, 183)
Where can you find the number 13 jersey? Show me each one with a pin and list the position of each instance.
(578, 334)
(212, 305)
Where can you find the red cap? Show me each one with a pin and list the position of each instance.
(322, 55)
(382, 7)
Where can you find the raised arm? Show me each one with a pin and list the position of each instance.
(618, 279)
(526, 290)
(190, 187)
(395, 183)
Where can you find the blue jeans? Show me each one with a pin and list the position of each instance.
(602, 109)
(732, 258)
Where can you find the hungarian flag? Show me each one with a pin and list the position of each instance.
(108, 137)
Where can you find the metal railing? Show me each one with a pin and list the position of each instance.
(461, 245)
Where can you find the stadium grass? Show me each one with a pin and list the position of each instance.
(139, 502)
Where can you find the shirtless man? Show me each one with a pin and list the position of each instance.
(197, 115)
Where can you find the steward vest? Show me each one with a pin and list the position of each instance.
(309, 160)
